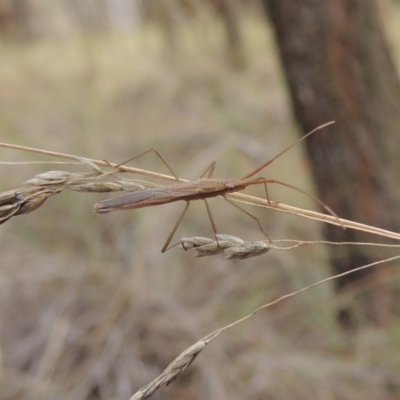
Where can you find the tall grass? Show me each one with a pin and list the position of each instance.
(90, 308)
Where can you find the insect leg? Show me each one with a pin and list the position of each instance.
(171, 235)
(210, 170)
(214, 228)
(250, 215)
(267, 195)
(164, 161)
(316, 199)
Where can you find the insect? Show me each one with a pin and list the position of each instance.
(200, 189)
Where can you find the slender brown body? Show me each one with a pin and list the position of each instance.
(200, 189)
(196, 190)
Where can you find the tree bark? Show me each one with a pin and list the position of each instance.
(229, 12)
(338, 67)
(15, 20)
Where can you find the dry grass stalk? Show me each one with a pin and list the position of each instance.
(236, 248)
(35, 191)
(175, 368)
(259, 202)
(187, 357)
(20, 203)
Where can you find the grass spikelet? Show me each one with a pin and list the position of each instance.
(232, 247)
(174, 369)
(183, 361)
(36, 190)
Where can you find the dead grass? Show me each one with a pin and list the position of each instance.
(90, 309)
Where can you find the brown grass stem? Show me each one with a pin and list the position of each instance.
(183, 361)
(239, 197)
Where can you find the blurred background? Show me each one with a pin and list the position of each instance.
(89, 307)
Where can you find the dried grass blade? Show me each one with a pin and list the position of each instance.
(240, 197)
(187, 357)
(175, 368)
(100, 163)
(276, 206)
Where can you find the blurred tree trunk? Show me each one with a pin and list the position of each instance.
(162, 13)
(89, 15)
(229, 13)
(338, 67)
(15, 21)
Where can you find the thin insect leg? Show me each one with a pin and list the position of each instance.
(158, 155)
(267, 195)
(171, 235)
(214, 228)
(210, 170)
(321, 203)
(250, 215)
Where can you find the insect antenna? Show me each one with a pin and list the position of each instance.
(159, 155)
(285, 150)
